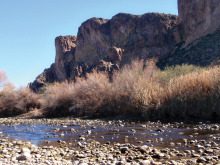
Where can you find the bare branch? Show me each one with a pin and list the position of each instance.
(3, 80)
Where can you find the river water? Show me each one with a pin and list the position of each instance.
(46, 132)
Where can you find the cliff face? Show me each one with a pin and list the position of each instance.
(148, 35)
(106, 45)
(65, 57)
(198, 18)
(62, 69)
(204, 51)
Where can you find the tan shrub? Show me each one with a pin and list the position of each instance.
(140, 90)
(15, 102)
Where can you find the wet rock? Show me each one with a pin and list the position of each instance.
(141, 149)
(188, 152)
(88, 131)
(158, 156)
(201, 160)
(209, 151)
(159, 130)
(82, 138)
(215, 127)
(124, 149)
(195, 155)
(81, 156)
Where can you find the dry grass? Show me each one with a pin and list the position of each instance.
(97, 96)
(168, 73)
(133, 88)
(15, 102)
(138, 91)
(193, 96)
(81, 98)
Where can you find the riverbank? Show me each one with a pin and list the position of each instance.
(77, 141)
(140, 90)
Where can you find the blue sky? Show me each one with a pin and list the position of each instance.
(28, 28)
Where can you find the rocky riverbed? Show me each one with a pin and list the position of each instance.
(77, 141)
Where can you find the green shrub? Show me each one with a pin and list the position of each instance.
(175, 71)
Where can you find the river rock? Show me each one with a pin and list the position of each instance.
(145, 162)
(201, 160)
(124, 149)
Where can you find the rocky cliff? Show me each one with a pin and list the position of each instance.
(64, 62)
(106, 45)
(204, 51)
(65, 57)
(148, 35)
(199, 29)
(198, 18)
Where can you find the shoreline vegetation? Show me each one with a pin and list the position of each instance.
(139, 90)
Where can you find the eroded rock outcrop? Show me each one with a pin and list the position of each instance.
(144, 36)
(65, 57)
(48, 76)
(107, 45)
(63, 68)
(198, 18)
(115, 55)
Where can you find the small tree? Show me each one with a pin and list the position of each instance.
(4, 83)
(3, 79)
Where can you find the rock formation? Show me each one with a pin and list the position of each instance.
(62, 69)
(107, 45)
(65, 57)
(203, 51)
(115, 55)
(145, 36)
(198, 18)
